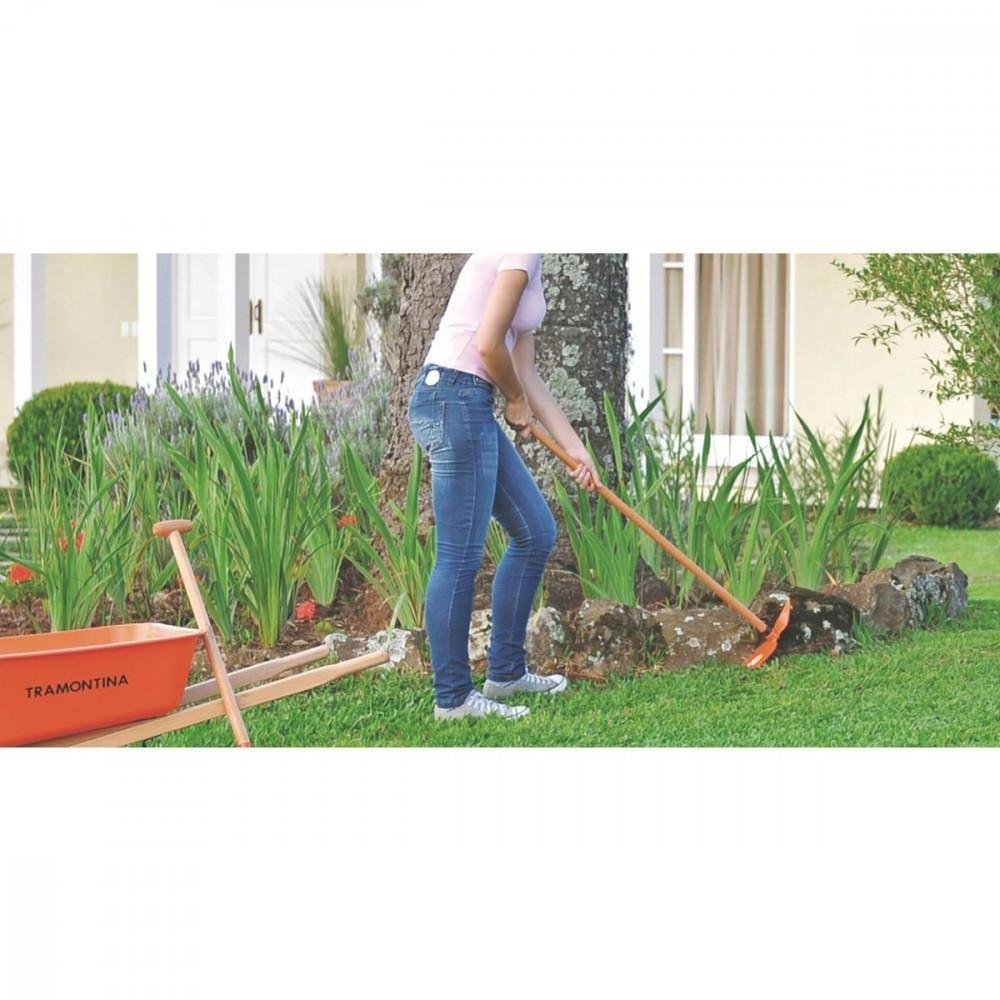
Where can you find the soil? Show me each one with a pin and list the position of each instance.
(357, 610)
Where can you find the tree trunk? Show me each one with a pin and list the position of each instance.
(425, 282)
(582, 348)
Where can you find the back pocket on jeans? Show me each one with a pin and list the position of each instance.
(426, 418)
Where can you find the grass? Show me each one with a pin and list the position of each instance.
(930, 688)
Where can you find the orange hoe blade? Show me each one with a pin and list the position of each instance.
(766, 649)
(771, 636)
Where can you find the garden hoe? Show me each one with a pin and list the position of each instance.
(771, 634)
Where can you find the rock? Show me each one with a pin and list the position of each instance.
(820, 623)
(479, 637)
(909, 594)
(613, 638)
(699, 635)
(546, 640)
(931, 584)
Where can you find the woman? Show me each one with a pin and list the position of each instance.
(485, 342)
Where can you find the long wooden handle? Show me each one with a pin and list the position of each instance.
(640, 522)
(218, 665)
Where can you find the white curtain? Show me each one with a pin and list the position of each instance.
(742, 341)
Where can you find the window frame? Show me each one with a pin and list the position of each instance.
(727, 449)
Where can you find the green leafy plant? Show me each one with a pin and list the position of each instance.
(328, 325)
(707, 512)
(810, 481)
(328, 542)
(952, 298)
(252, 498)
(76, 537)
(948, 485)
(605, 544)
(833, 541)
(57, 418)
(396, 562)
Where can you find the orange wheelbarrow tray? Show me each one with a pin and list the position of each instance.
(121, 684)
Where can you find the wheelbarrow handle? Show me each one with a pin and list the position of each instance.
(172, 531)
(643, 525)
(163, 529)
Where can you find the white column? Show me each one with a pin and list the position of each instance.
(29, 326)
(640, 366)
(233, 307)
(156, 316)
(689, 326)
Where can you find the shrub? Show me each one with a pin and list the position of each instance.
(59, 412)
(948, 485)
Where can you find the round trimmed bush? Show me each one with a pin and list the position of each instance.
(942, 484)
(61, 410)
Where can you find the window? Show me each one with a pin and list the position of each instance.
(720, 338)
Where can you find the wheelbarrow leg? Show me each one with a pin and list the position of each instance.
(172, 531)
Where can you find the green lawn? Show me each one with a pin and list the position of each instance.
(939, 688)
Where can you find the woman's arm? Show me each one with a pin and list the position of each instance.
(548, 411)
(490, 337)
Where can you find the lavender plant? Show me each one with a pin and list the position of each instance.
(142, 444)
(358, 415)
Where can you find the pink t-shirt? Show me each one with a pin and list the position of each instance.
(454, 345)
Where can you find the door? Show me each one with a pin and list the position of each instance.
(283, 345)
(196, 310)
(270, 329)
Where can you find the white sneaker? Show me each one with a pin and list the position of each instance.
(477, 706)
(529, 683)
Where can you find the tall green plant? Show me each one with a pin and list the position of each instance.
(328, 542)
(396, 562)
(605, 545)
(328, 325)
(256, 491)
(707, 512)
(834, 541)
(76, 535)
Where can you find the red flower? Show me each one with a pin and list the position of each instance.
(19, 574)
(306, 611)
(347, 519)
(79, 540)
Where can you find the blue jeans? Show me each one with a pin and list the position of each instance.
(476, 473)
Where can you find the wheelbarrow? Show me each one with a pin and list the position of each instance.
(121, 684)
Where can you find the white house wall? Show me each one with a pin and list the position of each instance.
(91, 313)
(833, 375)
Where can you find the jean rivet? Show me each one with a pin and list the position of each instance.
(432, 377)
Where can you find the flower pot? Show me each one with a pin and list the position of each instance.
(330, 390)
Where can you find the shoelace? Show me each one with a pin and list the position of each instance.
(487, 705)
(537, 681)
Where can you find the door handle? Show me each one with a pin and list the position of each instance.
(257, 312)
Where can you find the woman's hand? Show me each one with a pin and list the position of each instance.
(518, 415)
(585, 472)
